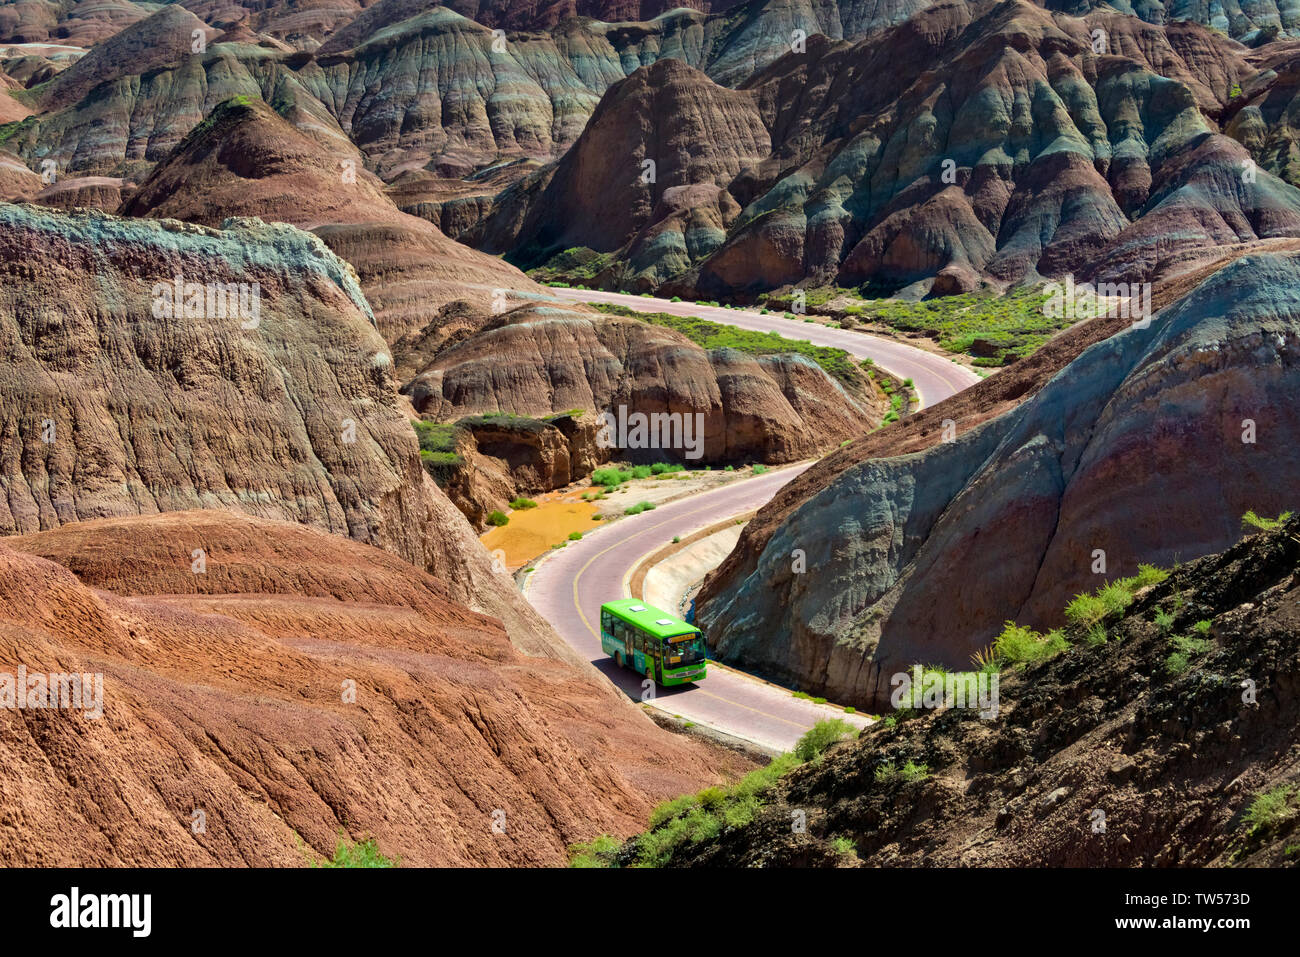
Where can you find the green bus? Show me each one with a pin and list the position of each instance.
(652, 642)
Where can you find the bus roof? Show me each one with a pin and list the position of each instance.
(648, 618)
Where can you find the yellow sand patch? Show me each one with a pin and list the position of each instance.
(533, 531)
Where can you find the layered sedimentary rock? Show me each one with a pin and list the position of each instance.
(502, 458)
(1148, 447)
(1018, 144)
(247, 160)
(82, 23)
(536, 360)
(17, 182)
(264, 388)
(299, 688)
(663, 129)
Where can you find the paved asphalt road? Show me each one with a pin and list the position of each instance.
(570, 585)
(934, 376)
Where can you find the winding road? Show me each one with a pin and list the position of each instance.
(934, 376)
(569, 585)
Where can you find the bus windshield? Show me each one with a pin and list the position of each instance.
(683, 650)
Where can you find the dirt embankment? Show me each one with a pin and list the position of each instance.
(274, 687)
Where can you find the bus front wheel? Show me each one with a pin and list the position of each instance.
(618, 658)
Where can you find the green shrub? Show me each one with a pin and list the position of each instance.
(1096, 635)
(1147, 575)
(1024, 646)
(1270, 809)
(759, 469)
(522, 503)
(363, 854)
(498, 518)
(821, 736)
(844, 846)
(597, 853)
(1115, 597)
(711, 798)
(1111, 599)
(666, 810)
(610, 478)
(1085, 610)
(1260, 523)
(575, 536)
(638, 508)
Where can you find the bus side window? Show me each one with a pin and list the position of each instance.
(604, 622)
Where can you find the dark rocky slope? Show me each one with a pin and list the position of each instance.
(1182, 758)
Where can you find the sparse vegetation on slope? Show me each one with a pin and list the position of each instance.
(1178, 729)
(692, 818)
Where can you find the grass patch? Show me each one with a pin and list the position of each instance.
(638, 508)
(994, 330)
(597, 853)
(498, 518)
(356, 854)
(520, 504)
(889, 772)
